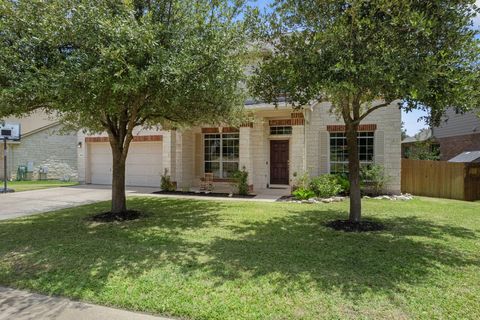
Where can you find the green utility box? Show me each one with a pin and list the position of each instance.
(22, 173)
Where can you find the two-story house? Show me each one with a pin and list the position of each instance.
(277, 145)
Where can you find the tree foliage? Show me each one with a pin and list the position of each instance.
(424, 150)
(111, 66)
(362, 55)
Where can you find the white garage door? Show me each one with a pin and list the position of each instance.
(144, 164)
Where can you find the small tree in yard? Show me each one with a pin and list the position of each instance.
(363, 55)
(241, 181)
(110, 66)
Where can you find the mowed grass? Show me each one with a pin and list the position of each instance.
(19, 186)
(245, 260)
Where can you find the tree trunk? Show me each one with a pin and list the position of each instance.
(119, 200)
(120, 135)
(354, 173)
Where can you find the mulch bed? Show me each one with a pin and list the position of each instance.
(348, 226)
(112, 217)
(205, 194)
(285, 198)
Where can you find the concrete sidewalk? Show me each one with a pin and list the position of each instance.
(23, 305)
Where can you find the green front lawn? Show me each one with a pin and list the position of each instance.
(246, 260)
(19, 186)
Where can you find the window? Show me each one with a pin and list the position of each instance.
(221, 154)
(280, 130)
(339, 154)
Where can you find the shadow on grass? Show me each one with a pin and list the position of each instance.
(300, 248)
(61, 253)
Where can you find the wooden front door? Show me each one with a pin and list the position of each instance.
(279, 162)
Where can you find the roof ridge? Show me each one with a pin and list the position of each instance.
(48, 126)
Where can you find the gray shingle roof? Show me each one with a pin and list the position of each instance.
(467, 156)
(423, 135)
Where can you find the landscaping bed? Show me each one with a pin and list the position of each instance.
(112, 217)
(349, 226)
(207, 194)
(293, 199)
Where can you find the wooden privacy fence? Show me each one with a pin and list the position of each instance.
(441, 179)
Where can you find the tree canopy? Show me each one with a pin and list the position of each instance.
(173, 61)
(362, 55)
(109, 66)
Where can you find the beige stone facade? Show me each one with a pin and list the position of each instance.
(44, 147)
(50, 149)
(308, 137)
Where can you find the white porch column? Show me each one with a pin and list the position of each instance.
(245, 150)
(297, 152)
(169, 154)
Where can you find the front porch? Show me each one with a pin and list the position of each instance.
(270, 193)
(271, 149)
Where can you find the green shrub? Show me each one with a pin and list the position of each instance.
(166, 183)
(241, 181)
(325, 186)
(303, 194)
(300, 181)
(342, 179)
(374, 179)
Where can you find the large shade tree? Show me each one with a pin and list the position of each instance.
(363, 55)
(111, 66)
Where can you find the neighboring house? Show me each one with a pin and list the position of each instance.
(276, 145)
(457, 133)
(46, 151)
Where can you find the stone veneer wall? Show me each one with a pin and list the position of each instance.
(312, 155)
(48, 148)
(183, 151)
(185, 167)
(387, 140)
(260, 151)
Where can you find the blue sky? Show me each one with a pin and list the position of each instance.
(411, 119)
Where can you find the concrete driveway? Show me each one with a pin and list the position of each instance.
(13, 205)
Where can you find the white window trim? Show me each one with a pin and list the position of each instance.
(330, 162)
(280, 134)
(221, 161)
